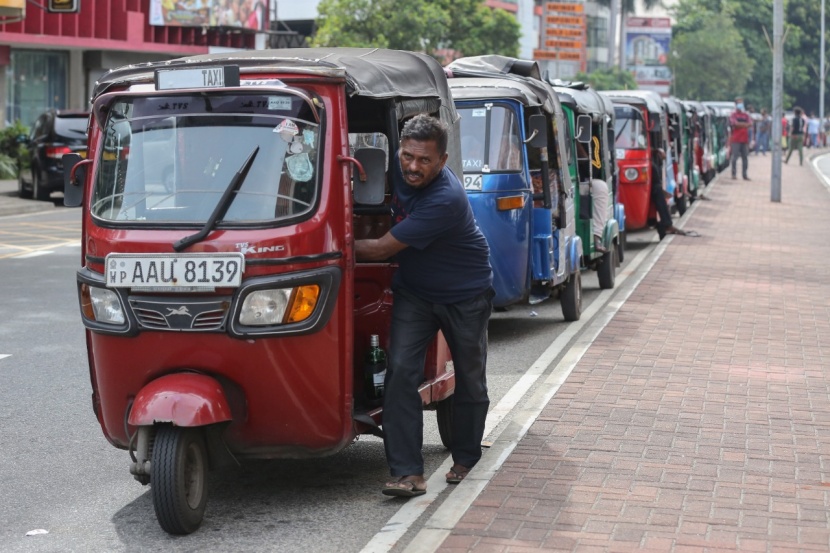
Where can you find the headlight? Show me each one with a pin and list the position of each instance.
(265, 307)
(631, 174)
(101, 305)
(279, 306)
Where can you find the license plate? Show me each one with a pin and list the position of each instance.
(168, 271)
(472, 181)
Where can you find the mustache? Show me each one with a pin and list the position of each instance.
(413, 174)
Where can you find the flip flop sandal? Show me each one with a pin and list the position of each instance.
(456, 476)
(403, 488)
(692, 233)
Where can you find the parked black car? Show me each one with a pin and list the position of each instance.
(55, 133)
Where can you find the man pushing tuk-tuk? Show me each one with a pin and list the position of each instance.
(443, 282)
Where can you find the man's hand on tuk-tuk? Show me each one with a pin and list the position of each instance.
(377, 249)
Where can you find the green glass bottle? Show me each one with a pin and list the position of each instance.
(374, 370)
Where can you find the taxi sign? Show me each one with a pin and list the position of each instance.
(201, 77)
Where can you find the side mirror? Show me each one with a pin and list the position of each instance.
(537, 126)
(372, 190)
(74, 177)
(583, 129)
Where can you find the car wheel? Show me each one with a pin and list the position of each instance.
(21, 187)
(37, 188)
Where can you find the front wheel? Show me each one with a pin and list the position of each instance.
(571, 298)
(607, 270)
(178, 478)
(22, 191)
(444, 413)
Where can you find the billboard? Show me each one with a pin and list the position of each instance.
(563, 38)
(647, 43)
(245, 14)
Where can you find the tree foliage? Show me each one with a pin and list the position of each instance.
(608, 79)
(436, 27)
(727, 69)
(753, 20)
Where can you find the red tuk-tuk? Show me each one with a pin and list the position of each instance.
(226, 315)
(641, 126)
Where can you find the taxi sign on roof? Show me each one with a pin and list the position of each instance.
(200, 77)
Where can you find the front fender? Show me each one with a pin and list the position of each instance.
(184, 399)
(574, 254)
(619, 215)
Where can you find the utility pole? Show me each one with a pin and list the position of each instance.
(821, 71)
(612, 33)
(777, 93)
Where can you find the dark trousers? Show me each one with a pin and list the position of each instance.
(415, 323)
(739, 149)
(658, 198)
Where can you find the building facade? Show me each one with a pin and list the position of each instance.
(53, 60)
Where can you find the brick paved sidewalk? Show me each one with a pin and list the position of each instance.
(699, 419)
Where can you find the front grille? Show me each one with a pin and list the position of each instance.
(180, 314)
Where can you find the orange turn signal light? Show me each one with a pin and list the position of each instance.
(510, 202)
(303, 303)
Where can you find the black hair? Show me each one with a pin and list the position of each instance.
(797, 111)
(424, 128)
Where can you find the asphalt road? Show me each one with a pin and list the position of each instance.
(61, 475)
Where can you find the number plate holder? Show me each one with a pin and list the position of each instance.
(171, 271)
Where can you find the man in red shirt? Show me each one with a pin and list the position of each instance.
(740, 121)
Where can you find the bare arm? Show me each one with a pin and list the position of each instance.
(377, 249)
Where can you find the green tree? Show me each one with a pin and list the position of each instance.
(608, 79)
(727, 69)
(436, 27)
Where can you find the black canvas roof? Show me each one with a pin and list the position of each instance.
(652, 100)
(475, 88)
(370, 72)
(525, 72)
(586, 99)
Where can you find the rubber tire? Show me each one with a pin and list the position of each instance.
(621, 247)
(607, 268)
(38, 193)
(680, 201)
(444, 413)
(21, 189)
(178, 478)
(571, 298)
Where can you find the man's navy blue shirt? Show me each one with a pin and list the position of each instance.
(448, 260)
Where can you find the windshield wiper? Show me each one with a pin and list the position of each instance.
(222, 207)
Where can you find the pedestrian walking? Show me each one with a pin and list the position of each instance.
(797, 128)
(741, 123)
(443, 282)
(764, 129)
(813, 128)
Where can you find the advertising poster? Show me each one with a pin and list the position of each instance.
(647, 43)
(247, 14)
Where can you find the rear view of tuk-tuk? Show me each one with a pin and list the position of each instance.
(226, 316)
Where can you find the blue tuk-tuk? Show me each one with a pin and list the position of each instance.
(515, 157)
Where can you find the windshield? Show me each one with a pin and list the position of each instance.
(629, 129)
(170, 159)
(502, 152)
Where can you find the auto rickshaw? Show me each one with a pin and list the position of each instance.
(514, 154)
(226, 315)
(721, 113)
(694, 153)
(590, 119)
(641, 126)
(678, 147)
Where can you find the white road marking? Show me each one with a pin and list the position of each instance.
(4, 355)
(440, 524)
(33, 254)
